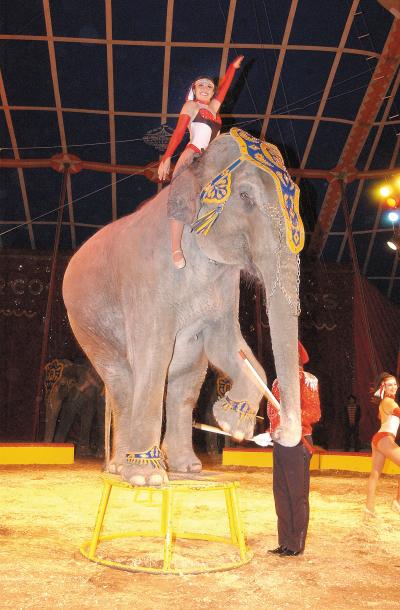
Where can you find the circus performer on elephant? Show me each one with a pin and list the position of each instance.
(200, 115)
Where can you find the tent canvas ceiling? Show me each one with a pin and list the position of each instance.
(105, 80)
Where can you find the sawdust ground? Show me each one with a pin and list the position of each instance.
(46, 512)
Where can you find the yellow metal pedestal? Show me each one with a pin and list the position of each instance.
(36, 453)
(166, 530)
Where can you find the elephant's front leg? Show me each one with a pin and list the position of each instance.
(236, 411)
(185, 377)
(69, 410)
(143, 462)
(137, 416)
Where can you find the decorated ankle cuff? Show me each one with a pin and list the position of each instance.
(153, 457)
(242, 407)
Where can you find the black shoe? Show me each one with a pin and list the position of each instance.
(278, 551)
(289, 553)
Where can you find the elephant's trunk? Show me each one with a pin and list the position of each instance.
(283, 321)
(52, 412)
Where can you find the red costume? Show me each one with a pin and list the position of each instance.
(389, 414)
(309, 401)
(208, 124)
(201, 116)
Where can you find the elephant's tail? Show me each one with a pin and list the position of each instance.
(107, 430)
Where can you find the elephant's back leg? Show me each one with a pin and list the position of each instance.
(135, 380)
(114, 369)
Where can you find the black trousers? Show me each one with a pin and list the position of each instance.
(291, 486)
(352, 437)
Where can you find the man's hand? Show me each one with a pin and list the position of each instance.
(164, 168)
(263, 440)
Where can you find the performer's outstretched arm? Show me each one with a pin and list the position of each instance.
(225, 83)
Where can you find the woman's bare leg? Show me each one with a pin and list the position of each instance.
(396, 501)
(392, 451)
(378, 462)
(389, 449)
(176, 237)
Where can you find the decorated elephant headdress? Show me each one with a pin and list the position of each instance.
(267, 158)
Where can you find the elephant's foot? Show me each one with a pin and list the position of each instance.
(116, 462)
(235, 417)
(114, 467)
(143, 468)
(183, 460)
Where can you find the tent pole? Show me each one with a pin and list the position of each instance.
(49, 306)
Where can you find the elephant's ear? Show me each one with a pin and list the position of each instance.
(184, 191)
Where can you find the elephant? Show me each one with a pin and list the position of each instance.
(74, 388)
(150, 330)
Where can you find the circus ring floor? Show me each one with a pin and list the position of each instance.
(47, 511)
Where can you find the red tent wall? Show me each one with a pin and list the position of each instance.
(384, 324)
(24, 284)
(333, 330)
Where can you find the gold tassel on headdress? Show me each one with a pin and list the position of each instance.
(203, 224)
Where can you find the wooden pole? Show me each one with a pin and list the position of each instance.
(49, 307)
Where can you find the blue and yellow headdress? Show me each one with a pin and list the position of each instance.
(268, 158)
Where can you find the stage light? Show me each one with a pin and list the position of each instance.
(385, 191)
(394, 241)
(391, 202)
(393, 216)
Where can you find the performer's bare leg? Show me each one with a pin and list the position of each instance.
(396, 501)
(387, 448)
(378, 462)
(390, 449)
(176, 237)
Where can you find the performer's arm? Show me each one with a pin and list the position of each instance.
(175, 140)
(392, 407)
(314, 406)
(388, 406)
(225, 83)
(309, 397)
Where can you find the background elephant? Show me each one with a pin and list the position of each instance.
(150, 330)
(74, 389)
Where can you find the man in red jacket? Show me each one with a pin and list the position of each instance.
(291, 466)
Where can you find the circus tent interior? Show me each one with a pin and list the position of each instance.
(90, 98)
(90, 94)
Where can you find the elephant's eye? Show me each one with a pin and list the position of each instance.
(246, 198)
